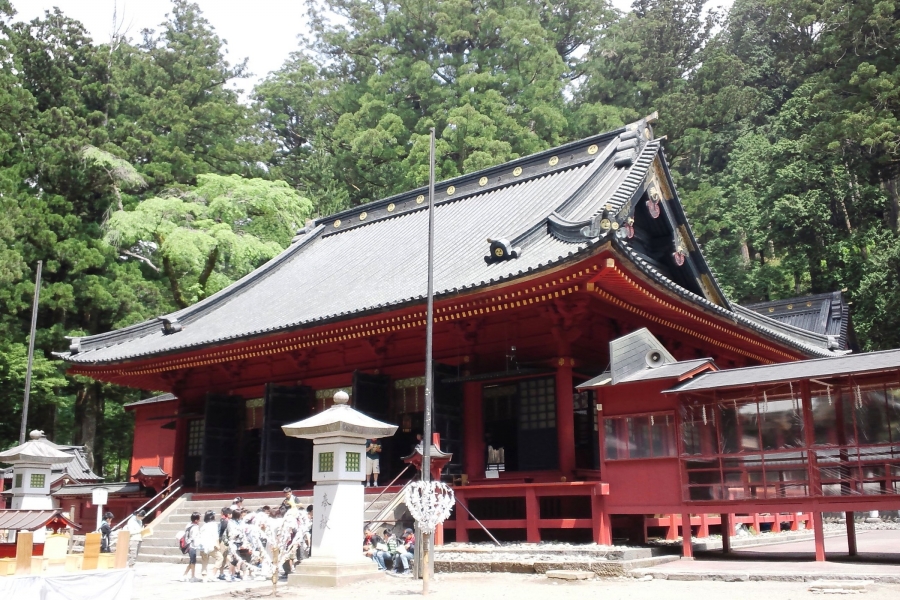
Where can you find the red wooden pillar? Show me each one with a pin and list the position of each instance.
(687, 550)
(819, 530)
(851, 533)
(600, 520)
(532, 515)
(756, 523)
(462, 519)
(726, 532)
(672, 531)
(703, 532)
(439, 535)
(181, 435)
(473, 432)
(565, 416)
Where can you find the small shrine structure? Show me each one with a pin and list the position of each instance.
(339, 437)
(32, 465)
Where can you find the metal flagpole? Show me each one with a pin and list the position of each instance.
(429, 371)
(34, 312)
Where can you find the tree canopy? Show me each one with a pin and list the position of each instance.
(145, 181)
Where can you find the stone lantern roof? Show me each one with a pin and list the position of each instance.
(339, 421)
(37, 451)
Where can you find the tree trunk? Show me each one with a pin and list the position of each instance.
(87, 415)
(745, 250)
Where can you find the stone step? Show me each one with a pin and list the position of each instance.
(162, 558)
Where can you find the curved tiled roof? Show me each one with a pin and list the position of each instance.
(373, 257)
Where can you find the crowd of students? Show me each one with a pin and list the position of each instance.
(246, 544)
(399, 552)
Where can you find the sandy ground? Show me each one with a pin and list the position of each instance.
(503, 586)
(880, 555)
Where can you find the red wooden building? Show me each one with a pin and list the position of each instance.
(540, 262)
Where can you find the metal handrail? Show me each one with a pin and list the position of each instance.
(176, 482)
(405, 469)
(398, 499)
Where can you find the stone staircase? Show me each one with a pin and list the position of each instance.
(162, 547)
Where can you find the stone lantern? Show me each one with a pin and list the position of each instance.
(32, 464)
(339, 437)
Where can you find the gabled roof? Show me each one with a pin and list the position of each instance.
(824, 314)
(669, 371)
(32, 520)
(537, 212)
(869, 362)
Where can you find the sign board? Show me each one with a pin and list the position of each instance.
(99, 496)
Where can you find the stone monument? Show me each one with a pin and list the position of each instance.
(339, 437)
(32, 465)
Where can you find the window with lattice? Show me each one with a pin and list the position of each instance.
(353, 462)
(537, 404)
(326, 462)
(38, 480)
(195, 437)
(18, 483)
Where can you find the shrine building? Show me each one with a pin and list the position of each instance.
(540, 263)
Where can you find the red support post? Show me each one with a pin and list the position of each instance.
(726, 532)
(672, 531)
(687, 549)
(851, 533)
(703, 532)
(473, 432)
(462, 519)
(439, 535)
(600, 520)
(565, 416)
(819, 534)
(532, 515)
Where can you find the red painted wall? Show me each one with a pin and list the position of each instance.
(644, 485)
(153, 445)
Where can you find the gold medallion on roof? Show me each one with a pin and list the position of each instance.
(605, 224)
(362, 216)
(517, 171)
(420, 199)
(451, 190)
(553, 160)
(483, 181)
(337, 223)
(391, 207)
(592, 149)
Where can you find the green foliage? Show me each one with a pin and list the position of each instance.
(207, 237)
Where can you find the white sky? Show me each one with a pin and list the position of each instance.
(265, 31)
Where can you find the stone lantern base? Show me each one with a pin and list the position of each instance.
(326, 572)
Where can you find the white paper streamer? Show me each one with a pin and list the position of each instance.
(429, 503)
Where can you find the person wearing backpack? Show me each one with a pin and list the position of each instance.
(188, 542)
(105, 531)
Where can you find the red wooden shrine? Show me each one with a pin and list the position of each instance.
(585, 244)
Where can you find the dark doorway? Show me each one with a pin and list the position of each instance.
(221, 437)
(520, 418)
(372, 397)
(285, 460)
(193, 459)
(248, 461)
(448, 400)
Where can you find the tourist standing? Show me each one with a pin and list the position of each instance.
(373, 463)
(191, 539)
(220, 558)
(209, 541)
(105, 531)
(135, 527)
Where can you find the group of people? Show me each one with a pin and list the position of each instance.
(134, 526)
(399, 551)
(246, 544)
